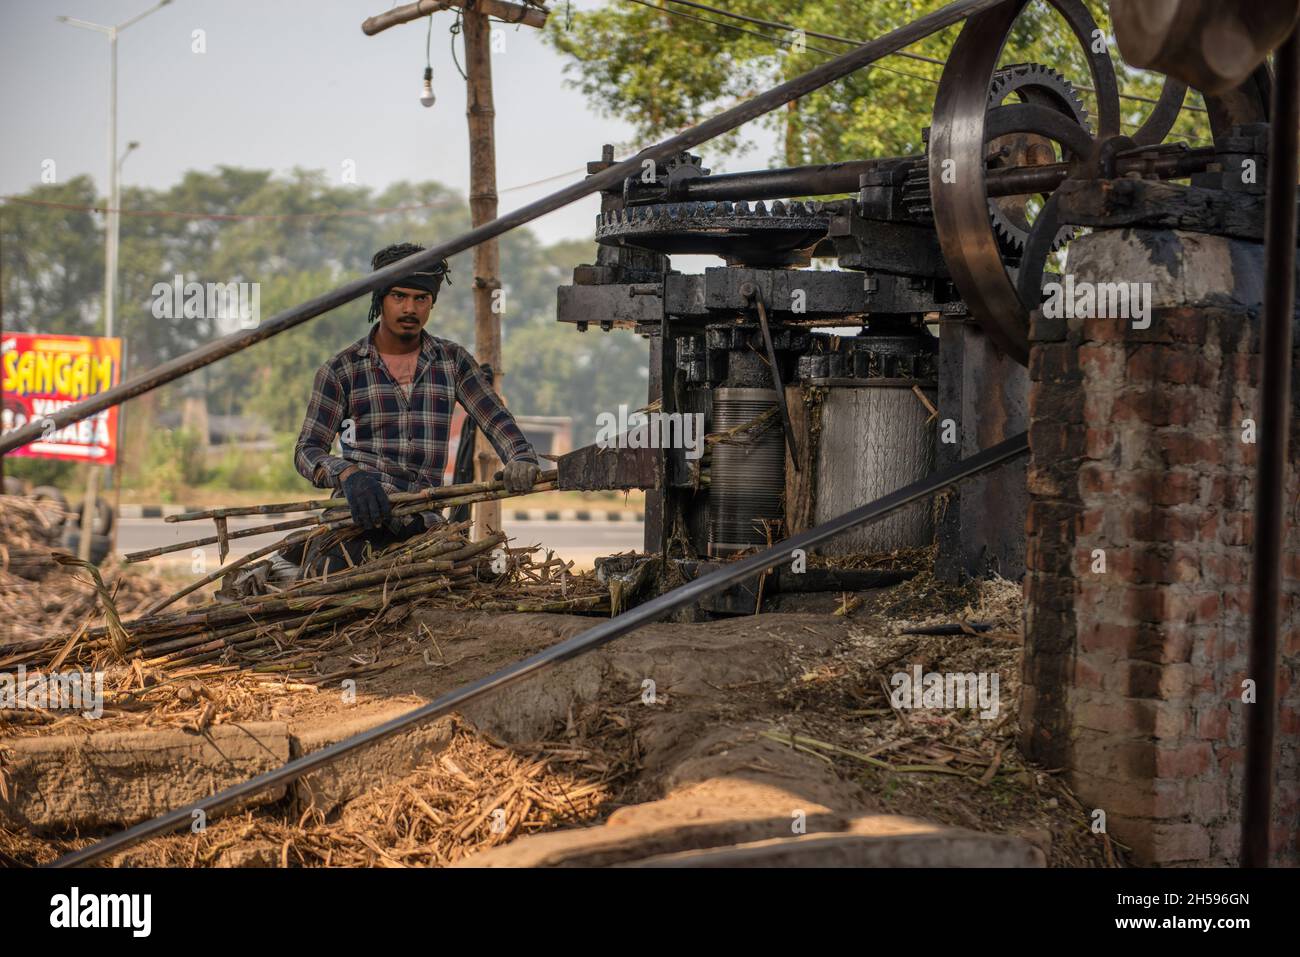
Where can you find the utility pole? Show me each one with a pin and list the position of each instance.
(481, 115)
(112, 223)
(122, 354)
(487, 256)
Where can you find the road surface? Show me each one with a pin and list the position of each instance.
(581, 542)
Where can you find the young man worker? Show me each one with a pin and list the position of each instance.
(390, 397)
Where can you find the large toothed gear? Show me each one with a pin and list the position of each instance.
(1037, 83)
(750, 234)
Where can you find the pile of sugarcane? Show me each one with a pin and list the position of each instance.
(440, 565)
(333, 524)
(27, 529)
(40, 597)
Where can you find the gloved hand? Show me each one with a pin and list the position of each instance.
(519, 475)
(367, 499)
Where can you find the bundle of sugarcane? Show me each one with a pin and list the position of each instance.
(440, 565)
(332, 518)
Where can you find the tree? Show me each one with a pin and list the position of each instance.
(53, 261)
(662, 71)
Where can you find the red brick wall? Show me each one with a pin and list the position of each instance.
(1133, 677)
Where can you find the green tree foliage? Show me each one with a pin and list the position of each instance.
(52, 260)
(661, 70)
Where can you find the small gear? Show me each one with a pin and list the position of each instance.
(684, 159)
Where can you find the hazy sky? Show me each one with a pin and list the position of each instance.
(287, 83)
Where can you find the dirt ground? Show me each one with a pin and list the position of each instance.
(797, 697)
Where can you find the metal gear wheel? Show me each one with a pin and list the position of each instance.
(751, 234)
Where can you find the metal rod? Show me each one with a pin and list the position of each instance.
(834, 178)
(579, 644)
(1270, 480)
(820, 180)
(750, 291)
(722, 123)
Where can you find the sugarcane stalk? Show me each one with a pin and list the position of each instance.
(267, 626)
(219, 639)
(365, 579)
(224, 570)
(237, 620)
(571, 604)
(148, 553)
(256, 635)
(438, 492)
(449, 554)
(230, 638)
(459, 553)
(332, 520)
(343, 515)
(762, 421)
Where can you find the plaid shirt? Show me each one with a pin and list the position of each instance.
(404, 440)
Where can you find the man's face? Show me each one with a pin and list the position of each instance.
(405, 311)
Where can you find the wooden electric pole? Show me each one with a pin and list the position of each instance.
(487, 256)
(481, 113)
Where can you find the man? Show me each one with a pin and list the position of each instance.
(390, 398)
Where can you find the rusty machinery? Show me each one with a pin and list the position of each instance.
(874, 238)
(958, 240)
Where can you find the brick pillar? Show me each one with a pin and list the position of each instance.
(1133, 675)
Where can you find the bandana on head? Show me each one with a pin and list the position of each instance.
(430, 280)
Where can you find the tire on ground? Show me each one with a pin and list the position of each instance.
(102, 523)
(48, 493)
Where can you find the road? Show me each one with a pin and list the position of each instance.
(582, 542)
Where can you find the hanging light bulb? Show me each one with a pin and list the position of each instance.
(426, 96)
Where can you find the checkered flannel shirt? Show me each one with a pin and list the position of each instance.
(403, 440)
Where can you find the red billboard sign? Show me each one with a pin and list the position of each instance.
(43, 374)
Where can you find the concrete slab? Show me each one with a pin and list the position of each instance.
(119, 778)
(374, 766)
(924, 847)
(754, 829)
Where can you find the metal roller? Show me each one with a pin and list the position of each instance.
(747, 476)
